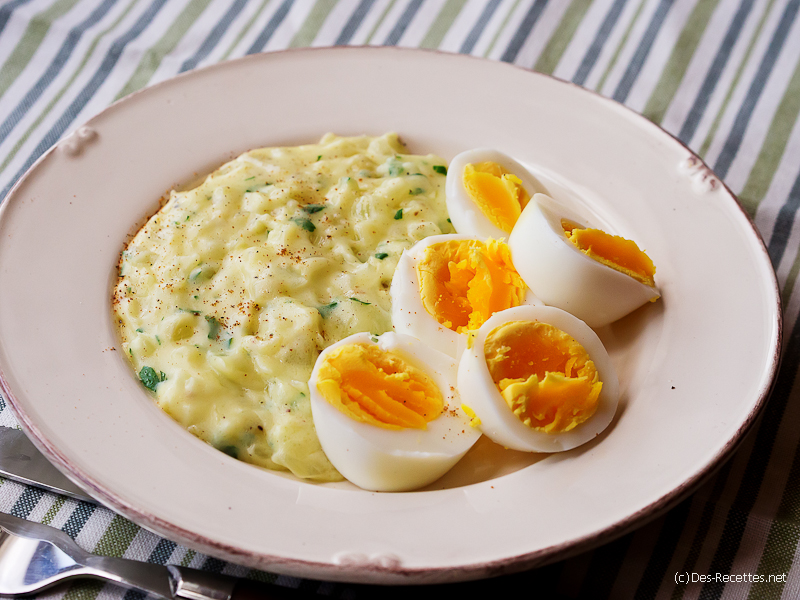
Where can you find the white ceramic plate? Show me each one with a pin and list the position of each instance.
(695, 368)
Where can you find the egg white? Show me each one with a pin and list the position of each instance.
(465, 215)
(497, 421)
(563, 276)
(410, 317)
(386, 460)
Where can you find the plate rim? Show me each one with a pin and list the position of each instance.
(398, 574)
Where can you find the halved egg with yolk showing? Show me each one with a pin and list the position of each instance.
(596, 276)
(486, 192)
(446, 285)
(538, 379)
(387, 411)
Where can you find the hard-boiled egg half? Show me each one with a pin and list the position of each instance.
(446, 285)
(538, 379)
(486, 192)
(387, 411)
(596, 276)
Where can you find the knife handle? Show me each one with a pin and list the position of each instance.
(247, 589)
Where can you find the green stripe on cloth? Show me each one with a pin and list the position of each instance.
(53, 510)
(187, 558)
(618, 50)
(87, 55)
(117, 537)
(152, 58)
(745, 58)
(771, 153)
(244, 30)
(562, 36)
(88, 590)
(31, 40)
(442, 24)
(310, 28)
(679, 60)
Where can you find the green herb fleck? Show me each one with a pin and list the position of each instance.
(140, 330)
(313, 208)
(381, 255)
(324, 311)
(359, 301)
(416, 191)
(253, 177)
(395, 167)
(158, 339)
(398, 215)
(150, 378)
(449, 221)
(441, 169)
(213, 328)
(319, 157)
(196, 313)
(305, 224)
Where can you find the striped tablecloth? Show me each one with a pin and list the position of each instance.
(721, 75)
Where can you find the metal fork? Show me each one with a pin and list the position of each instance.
(34, 557)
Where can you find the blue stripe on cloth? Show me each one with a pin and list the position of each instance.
(600, 39)
(85, 95)
(214, 565)
(736, 134)
(523, 31)
(645, 45)
(402, 24)
(350, 28)
(78, 519)
(475, 33)
(784, 223)
(27, 502)
(270, 28)
(55, 67)
(715, 72)
(213, 38)
(162, 552)
(7, 9)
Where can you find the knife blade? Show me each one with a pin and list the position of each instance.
(21, 461)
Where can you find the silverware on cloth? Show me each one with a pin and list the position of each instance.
(34, 557)
(21, 461)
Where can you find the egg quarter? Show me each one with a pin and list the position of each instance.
(393, 460)
(564, 276)
(465, 214)
(409, 314)
(493, 416)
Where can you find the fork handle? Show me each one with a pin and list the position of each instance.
(191, 584)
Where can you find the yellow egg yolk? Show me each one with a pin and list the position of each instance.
(546, 377)
(464, 282)
(613, 251)
(498, 193)
(378, 387)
